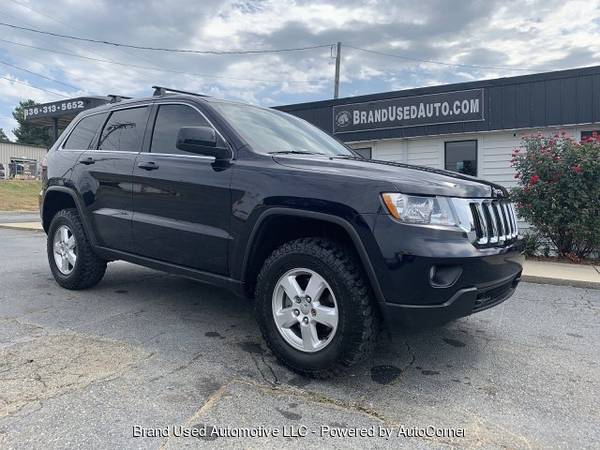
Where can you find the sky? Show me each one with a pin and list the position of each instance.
(431, 42)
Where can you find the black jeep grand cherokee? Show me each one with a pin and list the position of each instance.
(265, 204)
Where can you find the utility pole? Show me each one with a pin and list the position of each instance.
(336, 89)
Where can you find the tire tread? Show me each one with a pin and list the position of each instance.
(91, 267)
(365, 321)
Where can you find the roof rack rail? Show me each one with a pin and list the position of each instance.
(161, 90)
(117, 98)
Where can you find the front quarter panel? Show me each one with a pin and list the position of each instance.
(259, 184)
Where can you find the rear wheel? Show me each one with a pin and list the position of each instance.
(72, 261)
(315, 307)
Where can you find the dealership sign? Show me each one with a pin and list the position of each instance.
(447, 107)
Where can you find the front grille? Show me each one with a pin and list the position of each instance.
(494, 221)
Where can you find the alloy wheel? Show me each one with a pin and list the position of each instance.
(305, 310)
(64, 250)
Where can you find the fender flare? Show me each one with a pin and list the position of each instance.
(79, 206)
(345, 224)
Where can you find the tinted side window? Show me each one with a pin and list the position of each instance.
(169, 120)
(84, 132)
(124, 130)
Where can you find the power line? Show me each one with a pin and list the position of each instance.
(430, 61)
(33, 86)
(164, 49)
(40, 75)
(158, 69)
(70, 25)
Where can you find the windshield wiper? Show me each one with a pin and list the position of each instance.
(348, 157)
(295, 152)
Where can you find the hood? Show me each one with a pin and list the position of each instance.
(405, 178)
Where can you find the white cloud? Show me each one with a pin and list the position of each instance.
(532, 34)
(14, 88)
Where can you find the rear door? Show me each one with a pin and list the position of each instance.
(105, 176)
(181, 201)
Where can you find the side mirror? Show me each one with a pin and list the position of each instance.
(201, 140)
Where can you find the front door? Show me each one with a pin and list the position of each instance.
(181, 201)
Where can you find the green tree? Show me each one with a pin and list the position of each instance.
(28, 133)
(3, 136)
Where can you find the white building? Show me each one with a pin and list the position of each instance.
(20, 159)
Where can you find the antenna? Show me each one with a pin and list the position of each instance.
(161, 90)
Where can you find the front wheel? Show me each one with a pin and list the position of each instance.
(315, 307)
(73, 263)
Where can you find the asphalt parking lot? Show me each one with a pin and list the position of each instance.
(149, 350)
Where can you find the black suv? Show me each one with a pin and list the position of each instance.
(265, 204)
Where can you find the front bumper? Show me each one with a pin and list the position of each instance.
(428, 277)
(464, 302)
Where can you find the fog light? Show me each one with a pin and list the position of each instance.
(444, 276)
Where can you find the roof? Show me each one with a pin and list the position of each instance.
(494, 82)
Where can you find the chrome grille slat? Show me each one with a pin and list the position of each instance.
(505, 230)
(513, 225)
(513, 216)
(508, 231)
(493, 221)
(483, 238)
(499, 221)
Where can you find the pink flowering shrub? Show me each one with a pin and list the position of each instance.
(559, 191)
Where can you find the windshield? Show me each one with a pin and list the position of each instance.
(270, 131)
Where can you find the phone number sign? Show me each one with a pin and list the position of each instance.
(61, 108)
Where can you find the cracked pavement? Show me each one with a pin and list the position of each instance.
(81, 369)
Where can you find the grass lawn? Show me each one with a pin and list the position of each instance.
(19, 195)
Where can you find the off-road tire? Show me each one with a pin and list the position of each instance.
(89, 268)
(358, 315)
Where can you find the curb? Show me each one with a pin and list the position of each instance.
(561, 282)
(16, 226)
(18, 211)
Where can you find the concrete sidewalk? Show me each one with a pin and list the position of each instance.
(21, 220)
(561, 274)
(19, 216)
(28, 226)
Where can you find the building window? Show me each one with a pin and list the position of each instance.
(588, 134)
(365, 152)
(461, 156)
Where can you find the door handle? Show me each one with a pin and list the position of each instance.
(150, 165)
(87, 161)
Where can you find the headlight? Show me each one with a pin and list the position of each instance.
(420, 210)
